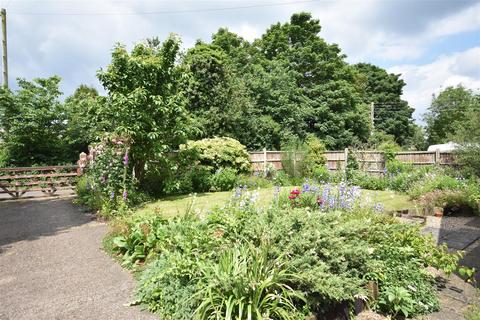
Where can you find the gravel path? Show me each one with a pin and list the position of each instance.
(52, 265)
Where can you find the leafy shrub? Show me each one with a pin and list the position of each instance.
(282, 179)
(321, 173)
(352, 166)
(255, 181)
(223, 179)
(3, 155)
(314, 156)
(246, 284)
(468, 158)
(467, 198)
(220, 153)
(368, 181)
(405, 178)
(206, 264)
(434, 181)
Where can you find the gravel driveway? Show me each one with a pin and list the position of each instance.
(52, 265)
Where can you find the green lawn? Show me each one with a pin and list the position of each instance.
(175, 205)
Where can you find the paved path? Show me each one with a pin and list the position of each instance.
(52, 267)
(458, 233)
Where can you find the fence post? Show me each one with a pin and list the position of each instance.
(437, 156)
(346, 160)
(265, 161)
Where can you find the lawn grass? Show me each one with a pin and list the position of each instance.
(176, 205)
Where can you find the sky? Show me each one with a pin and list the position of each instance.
(432, 44)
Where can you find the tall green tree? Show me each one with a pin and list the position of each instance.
(34, 123)
(144, 99)
(79, 108)
(393, 115)
(452, 111)
(328, 94)
(283, 86)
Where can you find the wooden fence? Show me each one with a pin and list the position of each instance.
(18, 181)
(369, 161)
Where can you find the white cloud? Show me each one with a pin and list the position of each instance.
(393, 31)
(448, 70)
(247, 31)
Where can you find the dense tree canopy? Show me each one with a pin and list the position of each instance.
(287, 84)
(454, 115)
(282, 87)
(392, 114)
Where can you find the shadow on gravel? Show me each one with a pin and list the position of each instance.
(29, 220)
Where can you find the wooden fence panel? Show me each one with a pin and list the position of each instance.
(416, 158)
(369, 161)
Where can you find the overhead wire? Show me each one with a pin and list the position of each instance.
(166, 12)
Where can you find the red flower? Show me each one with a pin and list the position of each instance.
(295, 191)
(292, 197)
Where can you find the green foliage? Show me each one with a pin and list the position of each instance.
(321, 173)
(35, 124)
(465, 199)
(314, 156)
(219, 153)
(468, 159)
(352, 166)
(368, 181)
(236, 256)
(223, 179)
(258, 181)
(434, 181)
(246, 284)
(453, 114)
(473, 312)
(389, 150)
(392, 114)
(288, 83)
(144, 100)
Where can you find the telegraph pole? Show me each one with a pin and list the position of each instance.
(4, 47)
(372, 116)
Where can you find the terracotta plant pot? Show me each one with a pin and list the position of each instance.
(438, 212)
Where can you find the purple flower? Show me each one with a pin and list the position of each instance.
(125, 195)
(378, 207)
(112, 195)
(125, 159)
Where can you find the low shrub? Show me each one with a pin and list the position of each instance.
(320, 174)
(219, 153)
(255, 181)
(368, 181)
(281, 262)
(223, 180)
(434, 181)
(314, 156)
(463, 200)
(468, 159)
(403, 179)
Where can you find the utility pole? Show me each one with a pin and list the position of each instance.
(4, 47)
(372, 116)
